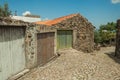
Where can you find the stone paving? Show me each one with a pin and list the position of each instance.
(76, 65)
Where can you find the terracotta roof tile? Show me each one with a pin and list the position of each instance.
(55, 21)
(43, 22)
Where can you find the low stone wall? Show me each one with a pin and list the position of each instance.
(117, 51)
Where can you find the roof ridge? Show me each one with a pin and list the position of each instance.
(72, 15)
(57, 20)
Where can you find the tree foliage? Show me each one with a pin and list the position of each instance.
(4, 10)
(109, 26)
(97, 37)
(105, 33)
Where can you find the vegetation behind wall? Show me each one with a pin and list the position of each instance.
(105, 34)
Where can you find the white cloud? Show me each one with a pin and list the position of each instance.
(115, 1)
(26, 13)
(46, 19)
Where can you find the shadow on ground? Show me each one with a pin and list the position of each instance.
(112, 55)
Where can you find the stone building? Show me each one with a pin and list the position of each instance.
(72, 31)
(23, 46)
(117, 50)
(26, 45)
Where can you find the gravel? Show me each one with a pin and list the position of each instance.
(76, 65)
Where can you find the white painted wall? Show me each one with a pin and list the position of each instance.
(26, 19)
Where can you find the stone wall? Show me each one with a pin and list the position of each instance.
(30, 38)
(84, 32)
(83, 35)
(117, 51)
(31, 43)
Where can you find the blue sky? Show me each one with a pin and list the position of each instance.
(96, 11)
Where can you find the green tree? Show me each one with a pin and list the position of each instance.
(1, 11)
(4, 11)
(109, 26)
(97, 38)
(107, 32)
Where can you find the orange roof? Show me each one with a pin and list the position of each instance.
(43, 22)
(55, 21)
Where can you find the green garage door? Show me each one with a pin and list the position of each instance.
(64, 39)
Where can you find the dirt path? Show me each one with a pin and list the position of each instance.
(75, 65)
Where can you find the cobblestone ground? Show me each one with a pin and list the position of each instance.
(75, 65)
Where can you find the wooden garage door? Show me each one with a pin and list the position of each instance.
(45, 47)
(12, 58)
(64, 39)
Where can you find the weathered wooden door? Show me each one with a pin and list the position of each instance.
(64, 39)
(12, 54)
(45, 47)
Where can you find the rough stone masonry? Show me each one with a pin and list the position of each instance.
(84, 32)
(117, 50)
